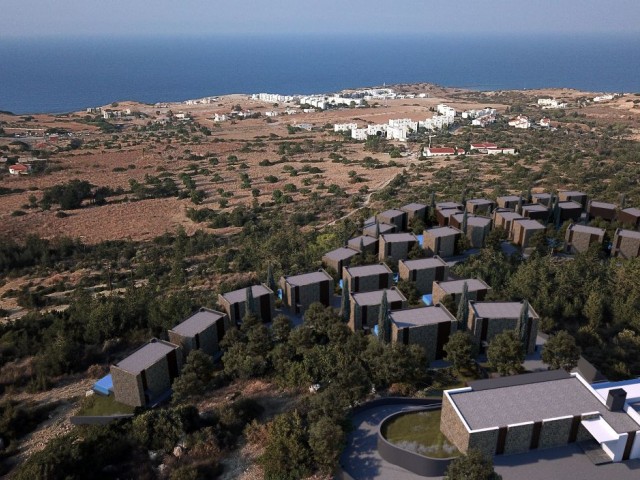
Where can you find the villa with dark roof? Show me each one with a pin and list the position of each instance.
(396, 245)
(508, 201)
(522, 231)
(570, 210)
(338, 258)
(488, 319)
(415, 210)
(376, 229)
(503, 218)
(397, 218)
(367, 243)
(201, 331)
(365, 307)
(541, 410)
(629, 216)
(300, 291)
(573, 196)
(423, 272)
(479, 206)
(626, 244)
(542, 198)
(428, 327)
(144, 378)
(579, 238)
(605, 211)
(235, 303)
(367, 278)
(476, 288)
(535, 211)
(477, 228)
(441, 241)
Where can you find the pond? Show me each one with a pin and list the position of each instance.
(419, 432)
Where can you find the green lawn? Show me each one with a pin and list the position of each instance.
(419, 432)
(99, 405)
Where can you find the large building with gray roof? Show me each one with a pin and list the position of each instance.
(144, 378)
(201, 331)
(540, 410)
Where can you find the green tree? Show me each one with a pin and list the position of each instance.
(195, 376)
(522, 326)
(287, 455)
(472, 466)
(384, 323)
(505, 353)
(463, 307)
(561, 351)
(281, 328)
(326, 440)
(461, 351)
(249, 304)
(345, 304)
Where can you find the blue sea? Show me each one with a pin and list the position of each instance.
(67, 74)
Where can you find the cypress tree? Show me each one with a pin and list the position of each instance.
(523, 324)
(463, 308)
(465, 217)
(433, 201)
(249, 310)
(345, 305)
(271, 282)
(361, 246)
(519, 207)
(377, 232)
(384, 324)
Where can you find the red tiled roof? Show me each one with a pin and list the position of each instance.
(442, 150)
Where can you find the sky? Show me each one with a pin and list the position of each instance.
(123, 18)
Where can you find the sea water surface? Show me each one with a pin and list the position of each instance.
(68, 74)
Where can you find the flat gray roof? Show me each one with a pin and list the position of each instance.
(145, 356)
(412, 207)
(307, 278)
(541, 195)
(383, 227)
(534, 402)
(509, 198)
(454, 287)
(375, 297)
(628, 233)
(473, 220)
(417, 317)
(366, 270)
(480, 201)
(392, 213)
(536, 207)
(587, 229)
(501, 309)
(399, 237)
(530, 224)
(632, 211)
(441, 205)
(597, 204)
(241, 295)
(442, 232)
(421, 263)
(509, 214)
(366, 241)
(571, 193)
(569, 204)
(197, 323)
(341, 253)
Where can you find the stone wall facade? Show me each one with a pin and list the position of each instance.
(518, 438)
(208, 340)
(443, 246)
(625, 247)
(478, 234)
(127, 388)
(578, 241)
(423, 277)
(396, 250)
(304, 295)
(484, 440)
(496, 326)
(236, 311)
(425, 336)
(367, 283)
(439, 294)
(452, 427)
(555, 432)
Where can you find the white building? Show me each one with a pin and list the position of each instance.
(483, 121)
(603, 98)
(219, 117)
(521, 121)
(379, 129)
(445, 110)
(359, 133)
(404, 122)
(546, 103)
(398, 133)
(344, 127)
(272, 97)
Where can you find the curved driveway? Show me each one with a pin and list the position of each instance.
(360, 458)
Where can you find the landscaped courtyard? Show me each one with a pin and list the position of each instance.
(419, 432)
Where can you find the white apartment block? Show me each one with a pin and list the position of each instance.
(344, 127)
(359, 133)
(398, 133)
(377, 129)
(445, 110)
(404, 122)
(483, 121)
(521, 121)
(272, 97)
(551, 103)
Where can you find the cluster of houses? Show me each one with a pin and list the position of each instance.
(144, 378)
(549, 103)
